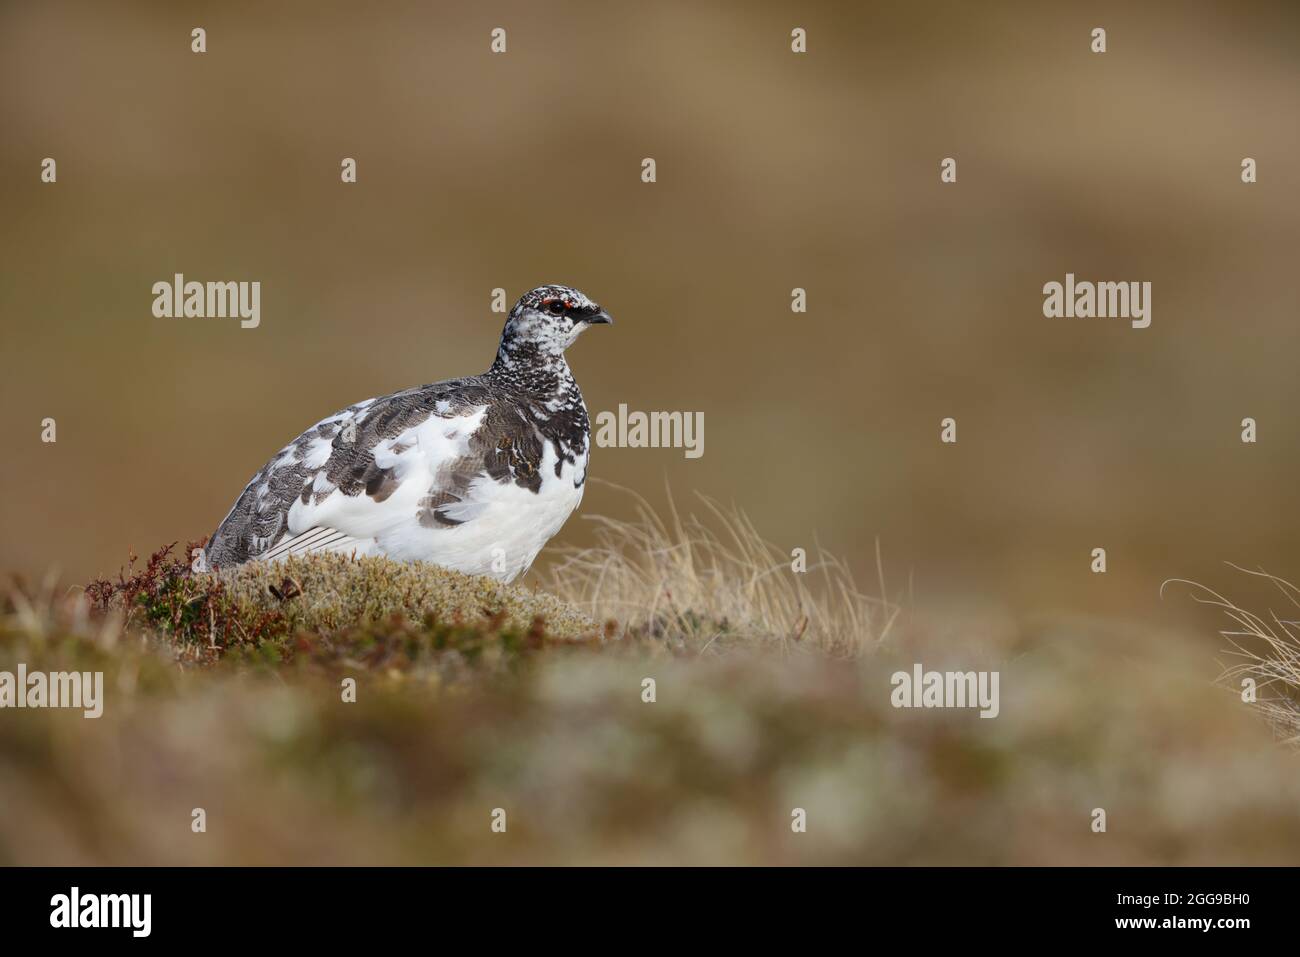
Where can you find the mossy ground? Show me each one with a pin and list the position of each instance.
(276, 611)
(226, 693)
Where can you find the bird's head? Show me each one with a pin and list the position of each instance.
(547, 320)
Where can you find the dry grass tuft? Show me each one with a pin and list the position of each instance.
(681, 580)
(1266, 649)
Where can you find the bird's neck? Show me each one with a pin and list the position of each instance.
(522, 366)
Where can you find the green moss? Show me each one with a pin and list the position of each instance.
(328, 592)
(333, 608)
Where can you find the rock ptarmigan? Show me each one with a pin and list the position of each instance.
(473, 474)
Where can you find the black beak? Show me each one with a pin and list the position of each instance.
(600, 316)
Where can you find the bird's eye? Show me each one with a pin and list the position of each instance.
(555, 307)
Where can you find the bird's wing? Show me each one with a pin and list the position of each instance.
(318, 538)
(430, 456)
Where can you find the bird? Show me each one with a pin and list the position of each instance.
(473, 474)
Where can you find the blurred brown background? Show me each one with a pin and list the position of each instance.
(774, 171)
